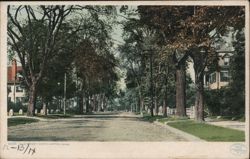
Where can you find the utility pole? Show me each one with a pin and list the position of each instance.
(77, 92)
(14, 92)
(64, 103)
(151, 83)
(15, 77)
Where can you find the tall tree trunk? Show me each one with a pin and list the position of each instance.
(180, 91)
(138, 105)
(94, 102)
(165, 97)
(32, 100)
(151, 85)
(156, 106)
(165, 100)
(80, 104)
(45, 106)
(164, 107)
(200, 61)
(87, 103)
(199, 100)
(141, 104)
(80, 100)
(105, 103)
(101, 102)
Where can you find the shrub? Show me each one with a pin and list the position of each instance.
(16, 106)
(224, 101)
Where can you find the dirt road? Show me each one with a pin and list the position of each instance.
(104, 127)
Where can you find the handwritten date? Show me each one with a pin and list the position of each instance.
(23, 148)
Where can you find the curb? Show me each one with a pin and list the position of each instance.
(40, 119)
(187, 136)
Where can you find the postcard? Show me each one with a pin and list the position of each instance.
(124, 79)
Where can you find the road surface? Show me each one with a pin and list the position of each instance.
(104, 127)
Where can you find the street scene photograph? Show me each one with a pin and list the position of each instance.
(137, 73)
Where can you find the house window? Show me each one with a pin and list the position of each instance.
(226, 61)
(19, 89)
(213, 78)
(224, 76)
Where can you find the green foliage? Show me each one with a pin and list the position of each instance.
(213, 101)
(128, 99)
(52, 84)
(190, 31)
(20, 120)
(16, 106)
(224, 102)
(140, 53)
(209, 132)
(236, 94)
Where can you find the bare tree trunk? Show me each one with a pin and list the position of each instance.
(101, 102)
(200, 62)
(164, 107)
(138, 105)
(80, 104)
(199, 100)
(97, 102)
(165, 98)
(32, 100)
(87, 103)
(45, 106)
(94, 102)
(156, 106)
(180, 91)
(165, 101)
(142, 107)
(105, 100)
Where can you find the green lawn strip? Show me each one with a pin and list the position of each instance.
(18, 121)
(54, 116)
(209, 132)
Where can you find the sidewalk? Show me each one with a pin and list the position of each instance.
(34, 117)
(229, 124)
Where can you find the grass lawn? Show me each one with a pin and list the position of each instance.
(18, 121)
(54, 116)
(209, 132)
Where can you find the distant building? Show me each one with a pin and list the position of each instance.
(16, 92)
(220, 77)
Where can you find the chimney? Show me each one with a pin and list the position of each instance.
(13, 69)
